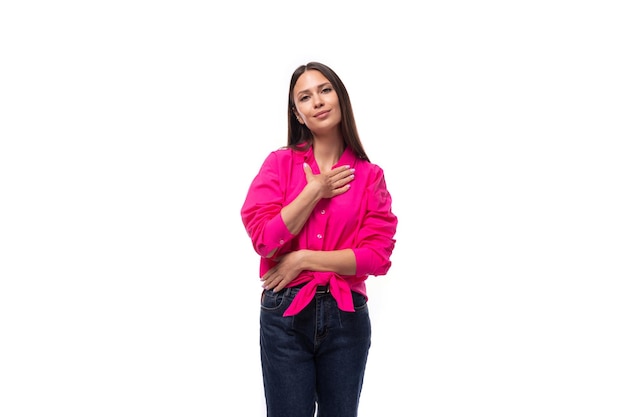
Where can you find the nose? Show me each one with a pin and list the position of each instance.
(317, 100)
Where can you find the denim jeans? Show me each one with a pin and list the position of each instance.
(315, 357)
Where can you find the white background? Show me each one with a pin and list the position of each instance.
(130, 131)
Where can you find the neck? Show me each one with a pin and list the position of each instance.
(327, 152)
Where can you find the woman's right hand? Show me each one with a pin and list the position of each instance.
(331, 183)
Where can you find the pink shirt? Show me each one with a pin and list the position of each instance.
(360, 219)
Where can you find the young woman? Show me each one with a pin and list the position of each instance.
(319, 215)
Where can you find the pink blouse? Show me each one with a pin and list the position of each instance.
(360, 219)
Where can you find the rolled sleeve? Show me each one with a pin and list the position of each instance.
(375, 239)
(275, 235)
(260, 212)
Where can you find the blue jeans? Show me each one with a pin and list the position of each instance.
(317, 356)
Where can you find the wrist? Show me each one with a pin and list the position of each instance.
(315, 191)
(304, 259)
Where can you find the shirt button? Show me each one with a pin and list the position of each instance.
(323, 211)
(281, 241)
(319, 235)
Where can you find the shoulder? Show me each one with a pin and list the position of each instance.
(363, 165)
(374, 176)
(276, 155)
(282, 153)
(285, 155)
(371, 168)
(281, 160)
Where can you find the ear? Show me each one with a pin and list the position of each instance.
(295, 113)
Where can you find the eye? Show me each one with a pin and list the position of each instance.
(304, 98)
(327, 90)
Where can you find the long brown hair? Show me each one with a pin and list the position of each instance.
(300, 137)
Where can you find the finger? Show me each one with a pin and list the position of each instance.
(339, 169)
(343, 168)
(276, 285)
(341, 190)
(268, 278)
(345, 180)
(281, 284)
(308, 172)
(342, 182)
(268, 274)
(269, 283)
(344, 173)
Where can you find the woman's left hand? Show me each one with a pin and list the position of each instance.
(282, 274)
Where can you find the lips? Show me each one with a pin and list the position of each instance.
(321, 114)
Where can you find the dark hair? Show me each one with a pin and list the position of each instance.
(300, 137)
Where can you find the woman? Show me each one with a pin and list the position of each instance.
(319, 215)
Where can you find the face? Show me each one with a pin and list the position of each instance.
(317, 103)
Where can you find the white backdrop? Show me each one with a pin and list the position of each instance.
(130, 131)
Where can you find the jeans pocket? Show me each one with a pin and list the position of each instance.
(271, 300)
(359, 301)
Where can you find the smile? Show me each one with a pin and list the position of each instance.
(321, 114)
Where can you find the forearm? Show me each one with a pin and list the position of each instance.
(296, 213)
(342, 261)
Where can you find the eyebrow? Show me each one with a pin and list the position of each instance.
(318, 87)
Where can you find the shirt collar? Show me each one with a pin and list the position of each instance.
(348, 157)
